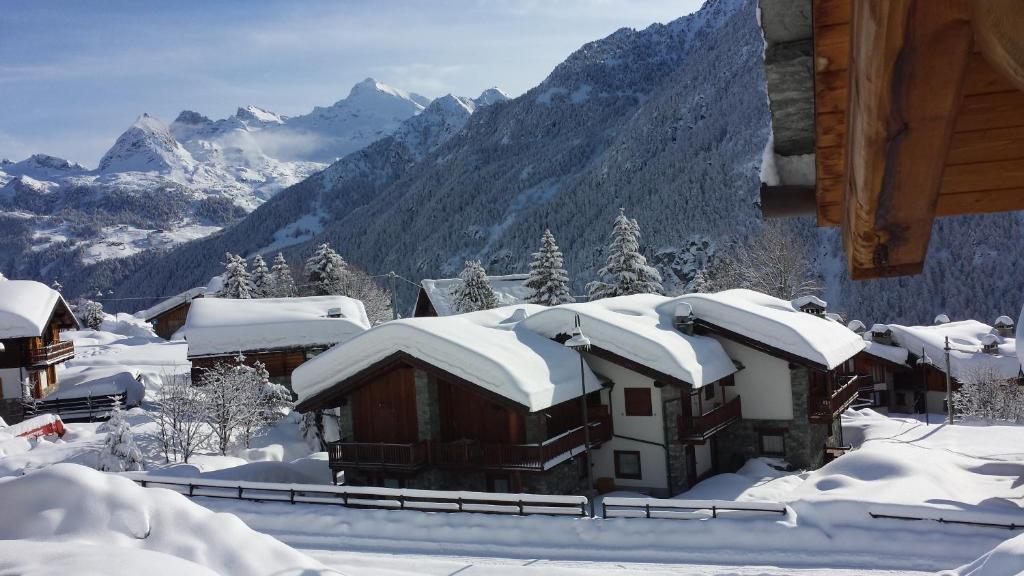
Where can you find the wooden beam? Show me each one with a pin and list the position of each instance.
(907, 64)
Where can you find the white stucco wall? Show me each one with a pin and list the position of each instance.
(648, 428)
(763, 383)
(10, 382)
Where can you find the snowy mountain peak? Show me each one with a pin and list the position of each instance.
(190, 117)
(371, 90)
(491, 96)
(450, 104)
(146, 146)
(258, 115)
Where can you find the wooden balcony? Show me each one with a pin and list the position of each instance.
(825, 409)
(700, 428)
(467, 453)
(378, 456)
(51, 354)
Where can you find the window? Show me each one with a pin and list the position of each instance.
(773, 444)
(627, 465)
(638, 401)
(709, 392)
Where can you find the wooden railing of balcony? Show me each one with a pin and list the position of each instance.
(52, 353)
(467, 454)
(826, 409)
(697, 428)
(379, 455)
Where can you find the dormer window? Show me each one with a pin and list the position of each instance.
(810, 304)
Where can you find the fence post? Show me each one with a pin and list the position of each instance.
(190, 488)
(344, 497)
(520, 506)
(401, 501)
(714, 511)
(460, 503)
(291, 495)
(583, 508)
(239, 492)
(143, 482)
(647, 510)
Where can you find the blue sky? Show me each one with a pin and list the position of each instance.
(74, 75)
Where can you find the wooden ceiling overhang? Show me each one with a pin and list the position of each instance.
(888, 114)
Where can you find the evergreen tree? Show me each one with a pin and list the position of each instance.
(324, 271)
(237, 282)
(473, 291)
(626, 270)
(262, 281)
(90, 313)
(281, 272)
(700, 284)
(119, 452)
(548, 280)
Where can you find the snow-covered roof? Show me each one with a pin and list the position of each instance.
(509, 290)
(778, 324)
(223, 326)
(489, 348)
(172, 302)
(26, 307)
(895, 354)
(639, 328)
(965, 342)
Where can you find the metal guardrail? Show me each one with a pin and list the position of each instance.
(1005, 520)
(88, 408)
(371, 497)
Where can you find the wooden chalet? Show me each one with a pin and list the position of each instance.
(435, 296)
(888, 114)
(169, 316)
(280, 333)
(32, 316)
(415, 413)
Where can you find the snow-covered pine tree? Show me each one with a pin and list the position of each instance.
(626, 270)
(324, 270)
(548, 280)
(119, 452)
(90, 313)
(237, 282)
(262, 281)
(473, 290)
(700, 283)
(284, 284)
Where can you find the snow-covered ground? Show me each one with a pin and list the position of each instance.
(900, 465)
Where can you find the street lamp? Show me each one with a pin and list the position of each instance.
(924, 361)
(580, 344)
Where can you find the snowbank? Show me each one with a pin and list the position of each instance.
(776, 323)
(26, 307)
(100, 381)
(489, 348)
(224, 326)
(639, 328)
(127, 325)
(509, 290)
(1007, 558)
(966, 353)
(109, 517)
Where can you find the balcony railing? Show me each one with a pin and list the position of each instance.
(51, 354)
(826, 409)
(467, 454)
(378, 455)
(698, 428)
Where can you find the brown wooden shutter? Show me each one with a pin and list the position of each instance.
(638, 401)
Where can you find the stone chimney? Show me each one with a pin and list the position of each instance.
(1004, 326)
(682, 319)
(810, 304)
(941, 319)
(335, 313)
(882, 334)
(857, 327)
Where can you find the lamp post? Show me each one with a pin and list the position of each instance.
(580, 343)
(923, 362)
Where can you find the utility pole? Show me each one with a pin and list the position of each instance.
(394, 297)
(949, 387)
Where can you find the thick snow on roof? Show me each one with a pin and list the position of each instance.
(509, 289)
(165, 305)
(965, 345)
(224, 326)
(488, 348)
(801, 301)
(777, 323)
(639, 328)
(25, 308)
(895, 354)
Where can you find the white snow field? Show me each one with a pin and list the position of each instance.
(74, 520)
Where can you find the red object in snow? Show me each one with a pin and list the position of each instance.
(42, 425)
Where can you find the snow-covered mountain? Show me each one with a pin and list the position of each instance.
(160, 185)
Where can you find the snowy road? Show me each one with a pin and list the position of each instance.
(371, 564)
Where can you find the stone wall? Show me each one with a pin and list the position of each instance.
(679, 454)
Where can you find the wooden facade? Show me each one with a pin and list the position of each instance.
(279, 363)
(166, 323)
(910, 113)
